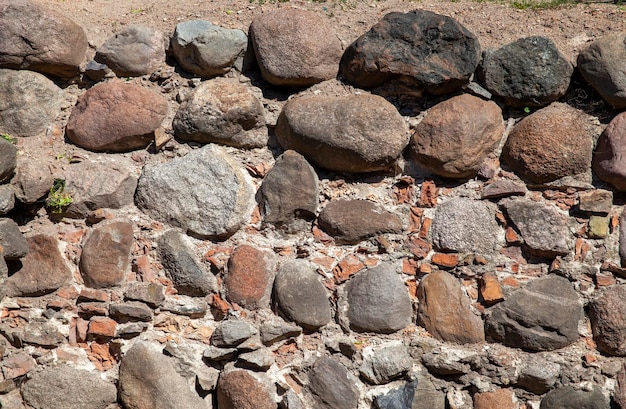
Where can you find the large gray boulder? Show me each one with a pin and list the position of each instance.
(65, 387)
(36, 38)
(30, 102)
(542, 316)
(420, 48)
(204, 192)
(601, 64)
(608, 162)
(207, 50)
(332, 385)
(148, 379)
(357, 133)
(607, 315)
(465, 225)
(528, 72)
(222, 111)
(134, 51)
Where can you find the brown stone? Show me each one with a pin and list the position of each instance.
(295, 47)
(102, 326)
(105, 257)
(43, 270)
(444, 310)
(445, 260)
(611, 147)
(418, 247)
(351, 221)
(607, 314)
(500, 399)
(596, 200)
(490, 289)
(549, 144)
(250, 277)
(40, 39)
(116, 116)
(240, 389)
(456, 136)
(17, 365)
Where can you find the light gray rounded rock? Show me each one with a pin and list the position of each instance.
(384, 364)
(65, 387)
(222, 111)
(357, 133)
(7, 199)
(207, 50)
(148, 379)
(204, 192)
(465, 225)
(301, 296)
(30, 102)
(134, 51)
(230, 333)
(378, 301)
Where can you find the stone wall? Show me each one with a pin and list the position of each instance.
(274, 222)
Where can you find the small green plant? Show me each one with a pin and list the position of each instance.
(136, 11)
(58, 200)
(8, 138)
(527, 110)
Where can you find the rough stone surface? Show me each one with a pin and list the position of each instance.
(622, 236)
(275, 330)
(116, 116)
(444, 310)
(464, 225)
(187, 274)
(503, 188)
(358, 133)
(378, 301)
(177, 192)
(250, 277)
(567, 397)
(65, 387)
(551, 143)
(607, 158)
(30, 102)
(32, 181)
(134, 51)
(105, 257)
(542, 227)
(499, 399)
(152, 294)
(529, 72)
(12, 241)
(240, 389)
(96, 185)
(596, 201)
(332, 385)
(421, 48)
(43, 269)
(382, 365)
(148, 379)
(39, 39)
(600, 64)
(295, 47)
(207, 50)
(542, 316)
(399, 398)
(538, 376)
(231, 333)
(130, 311)
(301, 296)
(607, 314)
(222, 111)
(290, 190)
(456, 136)
(427, 396)
(7, 199)
(8, 159)
(352, 221)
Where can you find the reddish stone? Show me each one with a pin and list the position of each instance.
(250, 276)
(511, 236)
(17, 365)
(418, 247)
(102, 326)
(404, 190)
(490, 289)
(241, 390)
(415, 219)
(500, 399)
(88, 294)
(445, 260)
(347, 267)
(428, 194)
(604, 280)
(425, 227)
